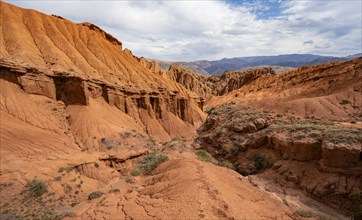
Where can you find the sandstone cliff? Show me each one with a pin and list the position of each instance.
(85, 68)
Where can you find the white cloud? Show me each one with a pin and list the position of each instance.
(194, 30)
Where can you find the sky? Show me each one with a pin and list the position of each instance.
(212, 30)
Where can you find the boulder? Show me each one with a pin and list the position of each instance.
(260, 123)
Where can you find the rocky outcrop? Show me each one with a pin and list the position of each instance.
(254, 140)
(232, 80)
(151, 65)
(105, 35)
(341, 154)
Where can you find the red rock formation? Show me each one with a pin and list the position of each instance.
(313, 155)
(232, 80)
(43, 57)
(314, 91)
(191, 81)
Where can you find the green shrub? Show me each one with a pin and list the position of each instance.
(261, 162)
(150, 162)
(136, 171)
(227, 164)
(203, 155)
(69, 168)
(95, 194)
(344, 102)
(37, 187)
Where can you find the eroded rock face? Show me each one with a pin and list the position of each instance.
(191, 81)
(341, 155)
(148, 108)
(306, 149)
(232, 80)
(310, 155)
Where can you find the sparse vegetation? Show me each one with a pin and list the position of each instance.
(299, 136)
(129, 179)
(344, 102)
(66, 212)
(327, 130)
(227, 164)
(208, 110)
(149, 163)
(95, 194)
(96, 165)
(69, 168)
(115, 190)
(58, 178)
(8, 215)
(136, 171)
(311, 214)
(71, 70)
(261, 162)
(203, 155)
(37, 187)
(305, 213)
(151, 142)
(68, 188)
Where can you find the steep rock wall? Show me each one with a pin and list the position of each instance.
(190, 80)
(148, 109)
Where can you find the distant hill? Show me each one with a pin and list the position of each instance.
(276, 69)
(192, 66)
(237, 63)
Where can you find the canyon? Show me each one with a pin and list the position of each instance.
(90, 131)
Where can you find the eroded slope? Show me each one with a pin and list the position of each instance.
(331, 91)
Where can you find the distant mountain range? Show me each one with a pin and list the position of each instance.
(289, 60)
